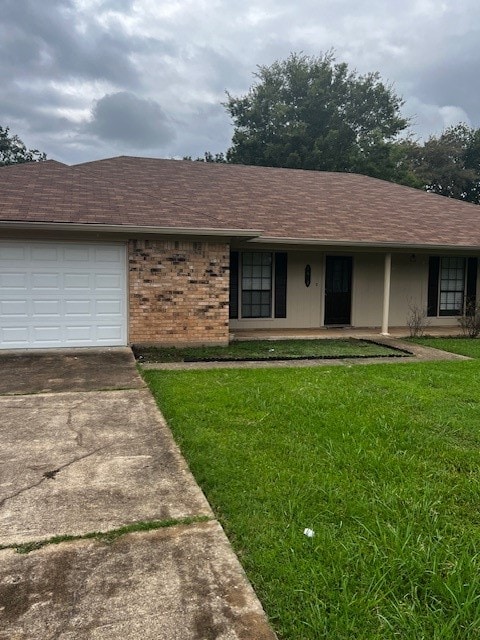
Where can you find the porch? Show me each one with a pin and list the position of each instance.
(337, 332)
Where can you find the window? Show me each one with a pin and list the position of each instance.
(452, 283)
(256, 285)
(452, 286)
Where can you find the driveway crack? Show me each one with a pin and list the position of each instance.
(51, 474)
(77, 433)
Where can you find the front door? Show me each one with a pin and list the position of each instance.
(338, 290)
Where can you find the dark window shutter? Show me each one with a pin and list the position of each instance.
(280, 285)
(472, 267)
(233, 308)
(433, 273)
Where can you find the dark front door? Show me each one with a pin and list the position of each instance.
(338, 290)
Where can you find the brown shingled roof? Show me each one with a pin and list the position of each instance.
(283, 203)
(53, 192)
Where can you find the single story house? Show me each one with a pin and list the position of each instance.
(137, 250)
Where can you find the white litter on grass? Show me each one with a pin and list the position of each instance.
(309, 532)
(271, 349)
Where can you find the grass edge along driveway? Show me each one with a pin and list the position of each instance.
(381, 462)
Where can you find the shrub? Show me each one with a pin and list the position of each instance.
(417, 320)
(470, 320)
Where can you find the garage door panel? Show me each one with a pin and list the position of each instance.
(77, 281)
(79, 332)
(77, 254)
(44, 281)
(14, 335)
(78, 307)
(47, 333)
(46, 308)
(109, 281)
(44, 253)
(108, 308)
(108, 332)
(108, 254)
(14, 281)
(17, 308)
(62, 294)
(15, 252)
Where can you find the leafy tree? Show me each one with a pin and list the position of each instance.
(208, 156)
(402, 163)
(449, 164)
(313, 113)
(218, 158)
(13, 150)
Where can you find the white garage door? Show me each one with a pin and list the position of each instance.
(62, 294)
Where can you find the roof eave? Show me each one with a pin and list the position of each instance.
(130, 229)
(249, 235)
(363, 244)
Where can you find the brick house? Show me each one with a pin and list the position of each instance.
(136, 250)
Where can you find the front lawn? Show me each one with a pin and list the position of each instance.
(381, 462)
(268, 350)
(463, 346)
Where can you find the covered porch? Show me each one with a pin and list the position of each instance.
(338, 332)
(320, 293)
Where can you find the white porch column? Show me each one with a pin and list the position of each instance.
(387, 272)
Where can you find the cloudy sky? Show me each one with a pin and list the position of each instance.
(86, 79)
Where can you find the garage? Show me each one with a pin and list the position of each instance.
(62, 294)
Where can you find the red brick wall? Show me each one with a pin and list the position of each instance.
(178, 292)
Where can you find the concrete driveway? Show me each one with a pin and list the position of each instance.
(85, 449)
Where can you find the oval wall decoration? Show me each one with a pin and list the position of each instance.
(308, 275)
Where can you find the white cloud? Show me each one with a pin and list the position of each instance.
(432, 119)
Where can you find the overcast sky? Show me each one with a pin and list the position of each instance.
(86, 79)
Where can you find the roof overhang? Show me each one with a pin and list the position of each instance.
(345, 244)
(130, 230)
(253, 236)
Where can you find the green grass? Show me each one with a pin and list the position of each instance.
(463, 346)
(382, 462)
(268, 350)
(104, 536)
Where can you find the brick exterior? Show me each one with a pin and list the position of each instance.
(178, 292)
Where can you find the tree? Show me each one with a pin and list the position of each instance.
(313, 113)
(208, 156)
(13, 150)
(449, 165)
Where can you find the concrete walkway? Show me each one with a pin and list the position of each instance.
(85, 449)
(408, 353)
